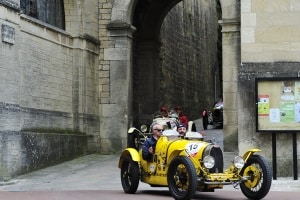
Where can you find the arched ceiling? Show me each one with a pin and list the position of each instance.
(149, 15)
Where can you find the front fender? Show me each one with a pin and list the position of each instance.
(131, 152)
(249, 153)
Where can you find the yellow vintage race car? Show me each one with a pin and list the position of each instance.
(189, 165)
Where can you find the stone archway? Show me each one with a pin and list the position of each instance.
(148, 19)
(116, 102)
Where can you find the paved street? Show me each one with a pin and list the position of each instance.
(141, 194)
(97, 172)
(94, 176)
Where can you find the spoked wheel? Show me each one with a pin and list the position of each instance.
(260, 178)
(130, 175)
(182, 178)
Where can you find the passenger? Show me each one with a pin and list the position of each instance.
(182, 118)
(167, 121)
(164, 112)
(149, 145)
(181, 129)
(173, 112)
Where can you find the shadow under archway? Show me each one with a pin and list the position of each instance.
(173, 60)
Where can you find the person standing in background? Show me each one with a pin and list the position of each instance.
(205, 119)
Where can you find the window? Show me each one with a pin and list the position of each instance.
(48, 11)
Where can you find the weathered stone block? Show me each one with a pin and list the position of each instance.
(8, 33)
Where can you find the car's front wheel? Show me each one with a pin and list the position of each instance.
(182, 178)
(259, 176)
(130, 175)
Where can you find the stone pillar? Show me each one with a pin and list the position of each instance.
(231, 61)
(115, 112)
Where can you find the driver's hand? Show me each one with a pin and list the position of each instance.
(150, 150)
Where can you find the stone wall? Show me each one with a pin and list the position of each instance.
(270, 47)
(190, 74)
(269, 31)
(48, 76)
(22, 152)
(48, 80)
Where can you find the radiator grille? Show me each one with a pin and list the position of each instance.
(216, 152)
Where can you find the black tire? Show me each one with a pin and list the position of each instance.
(130, 175)
(217, 114)
(133, 140)
(261, 178)
(182, 178)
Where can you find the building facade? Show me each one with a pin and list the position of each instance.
(79, 73)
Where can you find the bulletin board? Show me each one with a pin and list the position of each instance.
(277, 104)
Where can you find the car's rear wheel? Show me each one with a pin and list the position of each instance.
(260, 178)
(182, 178)
(130, 175)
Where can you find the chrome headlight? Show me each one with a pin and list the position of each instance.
(209, 162)
(238, 162)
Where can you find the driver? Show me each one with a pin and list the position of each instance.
(149, 145)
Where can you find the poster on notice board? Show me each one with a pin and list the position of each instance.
(277, 104)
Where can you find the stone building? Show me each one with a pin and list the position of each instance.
(268, 47)
(49, 75)
(97, 71)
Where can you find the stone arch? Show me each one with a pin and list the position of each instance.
(117, 107)
(148, 19)
(122, 11)
(121, 30)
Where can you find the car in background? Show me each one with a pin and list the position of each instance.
(217, 114)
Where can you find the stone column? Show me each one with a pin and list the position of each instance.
(231, 61)
(115, 113)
